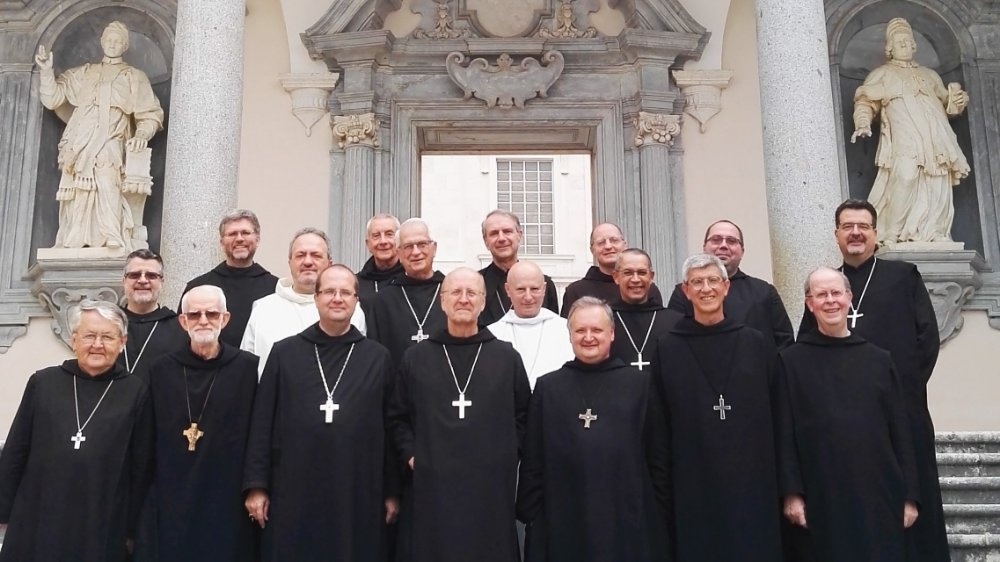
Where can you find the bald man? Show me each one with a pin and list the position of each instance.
(539, 335)
(458, 415)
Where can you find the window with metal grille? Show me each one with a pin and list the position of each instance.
(524, 187)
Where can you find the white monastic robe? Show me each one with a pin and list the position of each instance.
(542, 341)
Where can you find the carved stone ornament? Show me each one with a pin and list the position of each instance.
(356, 129)
(703, 92)
(309, 93)
(564, 26)
(656, 128)
(443, 25)
(60, 283)
(505, 85)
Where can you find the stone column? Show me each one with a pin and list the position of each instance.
(800, 142)
(203, 150)
(654, 135)
(358, 136)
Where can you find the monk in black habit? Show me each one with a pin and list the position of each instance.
(458, 416)
(76, 463)
(751, 301)
(502, 234)
(408, 310)
(202, 398)
(240, 278)
(721, 401)
(594, 480)
(891, 309)
(383, 265)
(639, 322)
(153, 330)
(854, 484)
(317, 478)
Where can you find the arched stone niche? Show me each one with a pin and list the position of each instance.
(614, 97)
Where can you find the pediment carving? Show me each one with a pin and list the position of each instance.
(505, 85)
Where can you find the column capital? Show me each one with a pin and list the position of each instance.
(702, 92)
(358, 129)
(310, 93)
(656, 128)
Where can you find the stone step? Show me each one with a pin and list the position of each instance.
(973, 519)
(968, 464)
(968, 442)
(975, 490)
(974, 548)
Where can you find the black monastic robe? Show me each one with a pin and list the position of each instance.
(75, 505)
(390, 320)
(460, 503)
(158, 332)
(752, 302)
(497, 301)
(899, 318)
(637, 320)
(242, 286)
(371, 279)
(327, 482)
(599, 494)
(725, 477)
(199, 501)
(855, 464)
(596, 284)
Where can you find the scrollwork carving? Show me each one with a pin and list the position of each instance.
(60, 300)
(356, 129)
(564, 25)
(656, 128)
(444, 26)
(505, 85)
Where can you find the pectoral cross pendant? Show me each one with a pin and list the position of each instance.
(193, 434)
(419, 336)
(639, 362)
(77, 439)
(586, 418)
(854, 315)
(722, 407)
(329, 408)
(461, 404)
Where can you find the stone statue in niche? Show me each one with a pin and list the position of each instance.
(111, 114)
(918, 156)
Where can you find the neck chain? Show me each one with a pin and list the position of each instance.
(638, 362)
(329, 407)
(131, 368)
(722, 407)
(420, 323)
(192, 433)
(500, 301)
(461, 403)
(856, 310)
(79, 438)
(538, 348)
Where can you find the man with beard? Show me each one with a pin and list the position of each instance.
(751, 301)
(291, 308)
(890, 308)
(202, 398)
(594, 480)
(153, 330)
(539, 335)
(318, 479)
(240, 278)
(408, 310)
(638, 322)
(458, 415)
(502, 235)
(384, 263)
(721, 401)
(76, 463)
(606, 242)
(854, 482)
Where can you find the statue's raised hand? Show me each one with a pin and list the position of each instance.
(43, 58)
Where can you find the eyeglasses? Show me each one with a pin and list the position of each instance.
(421, 245)
(634, 272)
(699, 282)
(468, 293)
(105, 339)
(729, 240)
(337, 293)
(239, 233)
(849, 226)
(611, 240)
(195, 315)
(824, 295)
(150, 275)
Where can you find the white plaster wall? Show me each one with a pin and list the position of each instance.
(963, 392)
(298, 16)
(37, 349)
(712, 14)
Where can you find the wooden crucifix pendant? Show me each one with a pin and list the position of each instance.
(193, 434)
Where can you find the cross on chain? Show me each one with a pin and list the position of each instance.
(461, 404)
(639, 362)
(854, 315)
(419, 336)
(328, 409)
(586, 418)
(193, 434)
(722, 407)
(77, 439)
